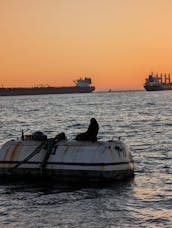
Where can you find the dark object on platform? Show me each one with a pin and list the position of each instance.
(91, 133)
(39, 136)
(61, 136)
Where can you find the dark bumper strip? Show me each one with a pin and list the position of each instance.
(67, 163)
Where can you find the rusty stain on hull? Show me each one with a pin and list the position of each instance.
(5, 157)
(11, 154)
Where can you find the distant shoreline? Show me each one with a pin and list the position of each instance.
(116, 91)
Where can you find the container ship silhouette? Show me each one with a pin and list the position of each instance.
(158, 82)
(82, 85)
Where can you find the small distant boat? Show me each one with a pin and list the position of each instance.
(101, 160)
(82, 85)
(158, 82)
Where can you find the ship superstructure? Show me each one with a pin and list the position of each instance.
(158, 82)
(86, 82)
(82, 85)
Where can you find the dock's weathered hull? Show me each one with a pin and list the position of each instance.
(67, 159)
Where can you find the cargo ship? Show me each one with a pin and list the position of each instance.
(82, 85)
(158, 82)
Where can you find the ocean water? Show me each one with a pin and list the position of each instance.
(142, 119)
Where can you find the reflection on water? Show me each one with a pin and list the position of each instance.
(67, 202)
(142, 119)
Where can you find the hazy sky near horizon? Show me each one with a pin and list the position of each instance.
(115, 42)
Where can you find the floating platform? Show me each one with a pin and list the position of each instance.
(102, 160)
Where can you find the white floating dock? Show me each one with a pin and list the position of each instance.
(72, 159)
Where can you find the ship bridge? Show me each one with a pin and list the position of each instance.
(83, 82)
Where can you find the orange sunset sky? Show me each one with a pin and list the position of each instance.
(115, 42)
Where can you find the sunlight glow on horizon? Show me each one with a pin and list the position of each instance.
(116, 43)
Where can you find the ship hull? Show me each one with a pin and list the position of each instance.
(45, 90)
(158, 87)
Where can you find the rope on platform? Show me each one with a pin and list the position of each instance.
(50, 146)
(37, 150)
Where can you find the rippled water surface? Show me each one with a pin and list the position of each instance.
(142, 119)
